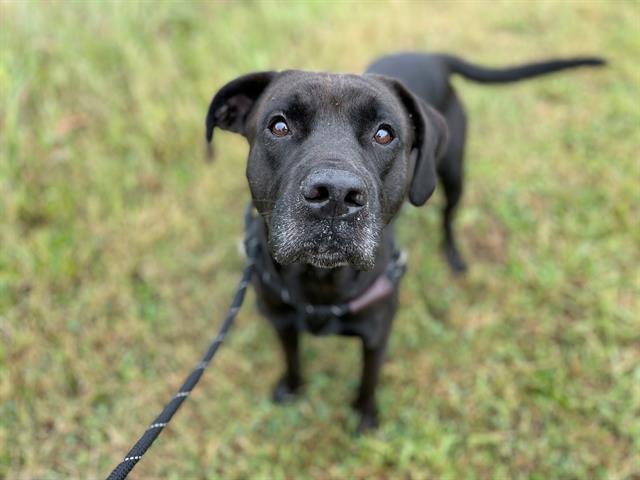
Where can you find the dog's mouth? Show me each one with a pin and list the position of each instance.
(327, 260)
(324, 244)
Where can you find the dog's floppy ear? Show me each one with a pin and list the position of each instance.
(431, 144)
(230, 107)
(430, 136)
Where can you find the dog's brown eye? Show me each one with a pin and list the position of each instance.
(383, 136)
(279, 127)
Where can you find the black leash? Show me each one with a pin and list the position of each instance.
(148, 437)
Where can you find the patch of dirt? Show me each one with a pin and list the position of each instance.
(486, 241)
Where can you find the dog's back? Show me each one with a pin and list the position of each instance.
(427, 75)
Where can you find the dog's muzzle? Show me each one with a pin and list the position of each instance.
(327, 221)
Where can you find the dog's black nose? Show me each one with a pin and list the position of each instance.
(334, 193)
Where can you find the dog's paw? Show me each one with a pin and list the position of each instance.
(368, 412)
(285, 391)
(455, 260)
(368, 423)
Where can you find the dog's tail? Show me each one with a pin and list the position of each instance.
(519, 72)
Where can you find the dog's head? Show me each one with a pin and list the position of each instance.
(332, 157)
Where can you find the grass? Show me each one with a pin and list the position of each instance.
(118, 250)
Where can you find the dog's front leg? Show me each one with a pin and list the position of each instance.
(365, 402)
(291, 381)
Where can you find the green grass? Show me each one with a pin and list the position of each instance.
(118, 250)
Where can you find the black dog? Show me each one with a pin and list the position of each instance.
(332, 158)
